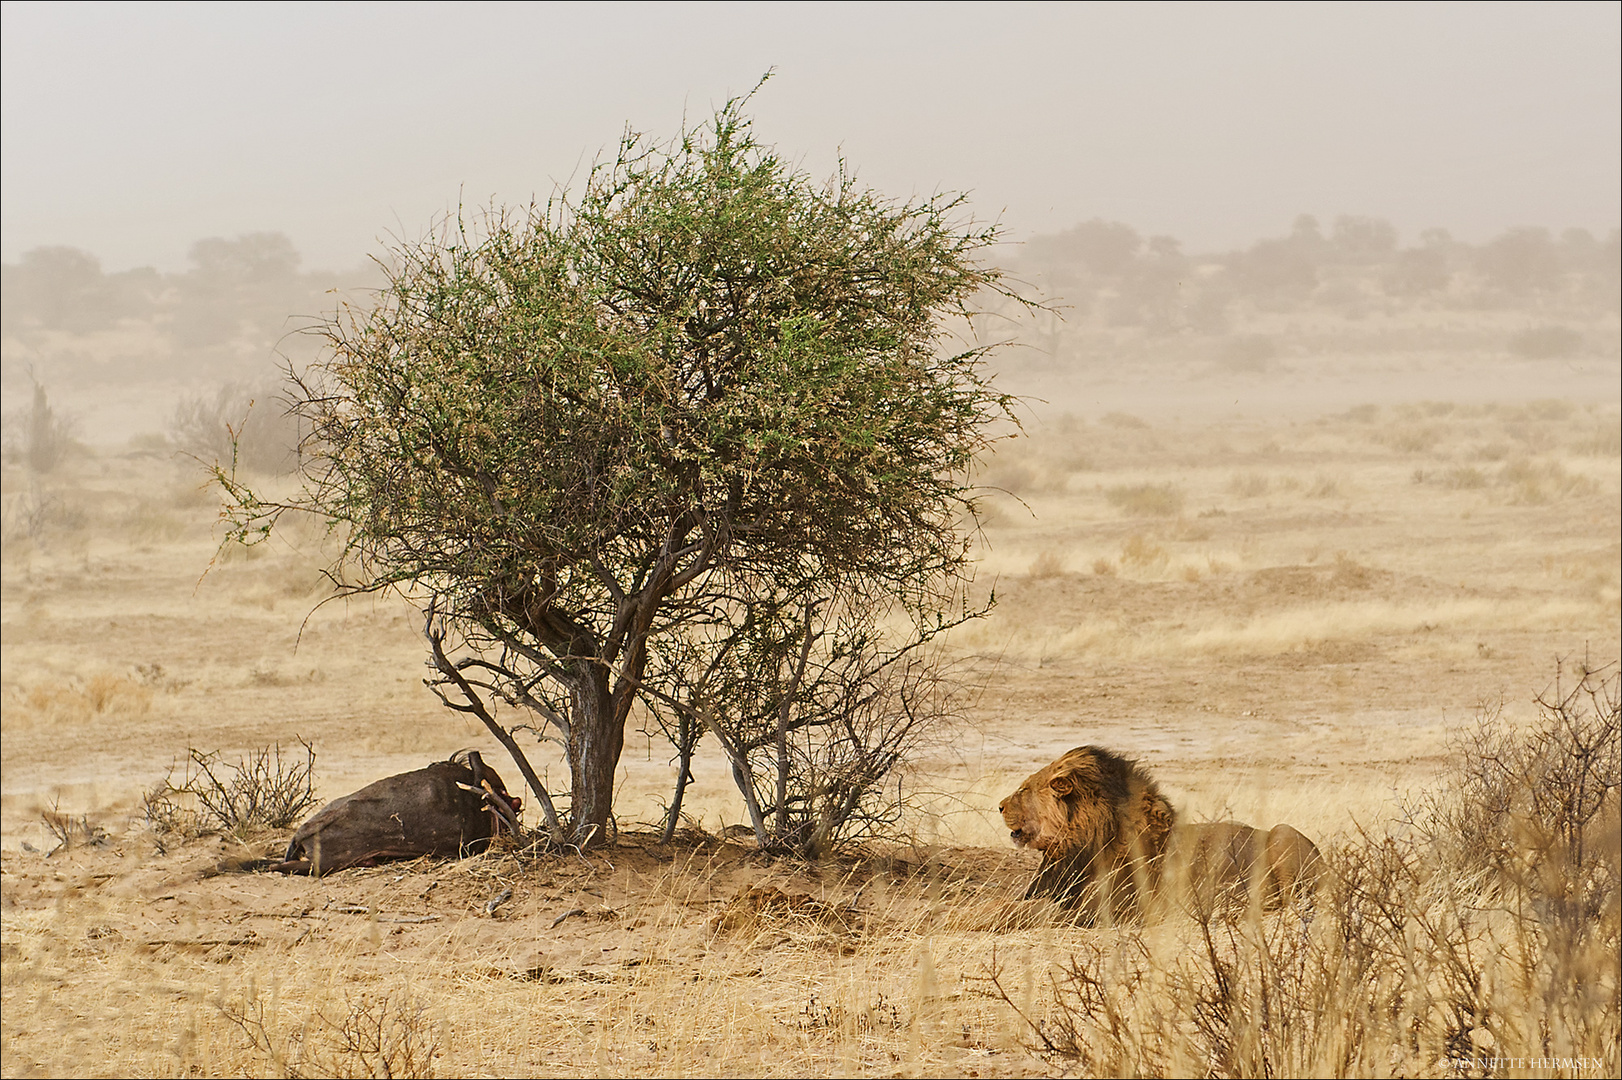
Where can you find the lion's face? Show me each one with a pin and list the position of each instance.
(1027, 810)
(1083, 802)
(1040, 813)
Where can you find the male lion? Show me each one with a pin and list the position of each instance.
(1111, 844)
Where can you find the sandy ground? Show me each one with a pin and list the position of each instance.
(1333, 594)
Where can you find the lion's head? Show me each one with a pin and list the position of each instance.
(1101, 825)
(1082, 802)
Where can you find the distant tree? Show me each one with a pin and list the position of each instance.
(1277, 269)
(1417, 271)
(662, 428)
(1521, 261)
(1306, 235)
(243, 288)
(63, 288)
(1363, 239)
(1157, 290)
(39, 437)
(1106, 248)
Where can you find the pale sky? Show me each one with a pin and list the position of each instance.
(133, 130)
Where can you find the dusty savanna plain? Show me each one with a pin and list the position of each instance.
(1285, 589)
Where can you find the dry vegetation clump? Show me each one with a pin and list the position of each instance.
(258, 793)
(1603, 441)
(387, 1034)
(1146, 500)
(1250, 485)
(1537, 483)
(101, 697)
(1480, 939)
(1047, 564)
(1464, 478)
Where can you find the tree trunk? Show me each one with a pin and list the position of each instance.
(687, 736)
(596, 737)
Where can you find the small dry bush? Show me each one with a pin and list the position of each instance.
(1141, 553)
(1048, 564)
(1327, 487)
(1464, 478)
(1536, 483)
(1480, 932)
(150, 523)
(383, 1035)
(1146, 500)
(238, 426)
(1604, 441)
(1535, 813)
(72, 832)
(260, 791)
(1413, 438)
(1249, 485)
(41, 515)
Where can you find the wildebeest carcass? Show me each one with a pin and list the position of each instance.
(449, 809)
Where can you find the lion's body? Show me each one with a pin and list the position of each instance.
(1111, 846)
(1220, 863)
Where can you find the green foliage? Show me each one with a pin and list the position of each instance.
(704, 381)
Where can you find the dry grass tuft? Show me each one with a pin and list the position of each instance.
(1537, 483)
(1048, 564)
(78, 701)
(1142, 554)
(1249, 485)
(1146, 500)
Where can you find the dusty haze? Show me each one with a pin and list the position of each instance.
(1324, 454)
(131, 132)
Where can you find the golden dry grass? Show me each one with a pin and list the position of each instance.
(1292, 643)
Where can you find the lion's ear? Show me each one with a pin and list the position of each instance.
(1062, 784)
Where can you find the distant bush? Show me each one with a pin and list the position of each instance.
(1413, 438)
(38, 436)
(262, 791)
(1534, 483)
(1048, 564)
(1142, 553)
(1462, 477)
(1146, 500)
(1546, 343)
(266, 438)
(1604, 441)
(1326, 487)
(1249, 485)
(1247, 352)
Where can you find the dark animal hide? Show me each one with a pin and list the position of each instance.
(448, 810)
